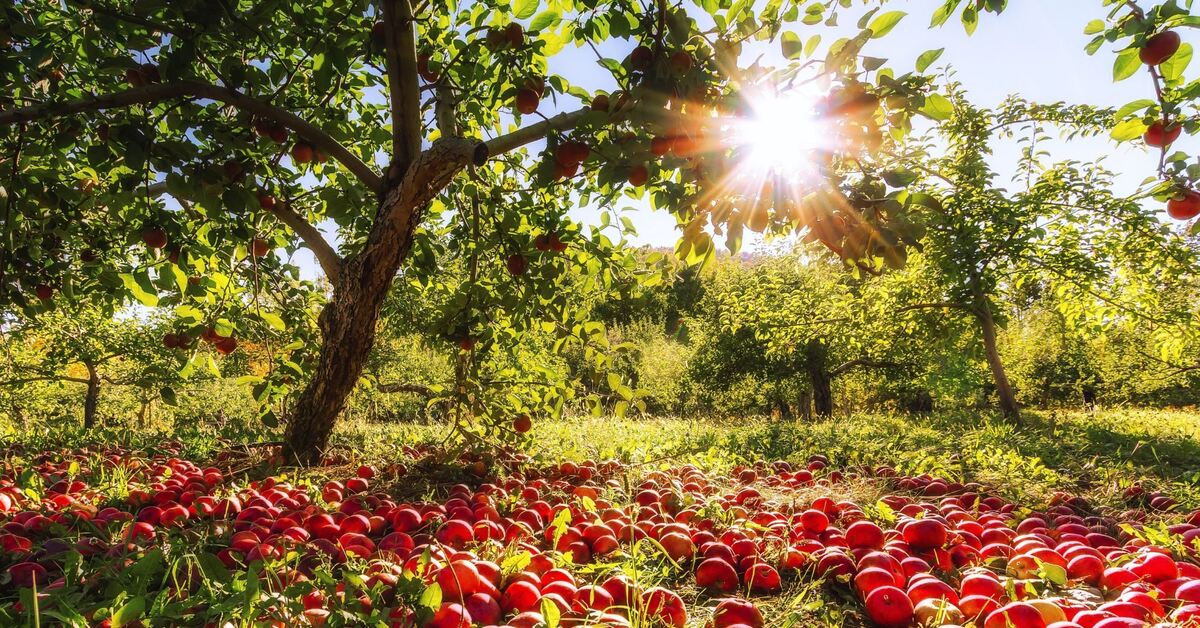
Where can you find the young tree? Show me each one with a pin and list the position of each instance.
(263, 120)
(1064, 223)
(50, 347)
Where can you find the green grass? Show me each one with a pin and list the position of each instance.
(1094, 454)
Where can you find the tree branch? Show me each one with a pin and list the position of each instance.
(194, 89)
(403, 90)
(534, 132)
(327, 256)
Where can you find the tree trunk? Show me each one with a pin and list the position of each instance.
(348, 326)
(1004, 392)
(93, 397)
(818, 374)
(348, 321)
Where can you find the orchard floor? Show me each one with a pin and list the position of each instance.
(194, 529)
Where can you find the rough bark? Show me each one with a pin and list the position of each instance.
(1004, 391)
(818, 375)
(93, 397)
(348, 321)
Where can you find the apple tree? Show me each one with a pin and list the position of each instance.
(1109, 257)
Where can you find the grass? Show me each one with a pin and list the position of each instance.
(1096, 454)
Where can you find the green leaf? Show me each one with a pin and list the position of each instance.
(524, 9)
(927, 58)
(1132, 107)
(793, 46)
(943, 13)
(1093, 27)
(1129, 130)
(970, 19)
(130, 612)
(883, 24)
(1173, 69)
(545, 19)
(550, 613)
(140, 287)
(274, 320)
(431, 597)
(168, 396)
(1126, 64)
(938, 107)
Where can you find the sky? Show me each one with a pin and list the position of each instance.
(1035, 49)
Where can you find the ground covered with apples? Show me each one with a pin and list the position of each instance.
(1068, 521)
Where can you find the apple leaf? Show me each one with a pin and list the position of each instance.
(793, 45)
(1172, 70)
(1126, 64)
(883, 24)
(937, 107)
(524, 9)
(927, 58)
(140, 287)
(545, 19)
(1128, 130)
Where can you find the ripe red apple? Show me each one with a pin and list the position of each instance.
(516, 264)
(640, 58)
(27, 574)
(1161, 134)
(889, 606)
(733, 612)
(639, 175)
(522, 424)
(302, 152)
(1159, 48)
(430, 76)
(1185, 205)
(43, 292)
(526, 101)
(225, 346)
(680, 62)
(661, 145)
(450, 616)
(600, 102)
(1015, 615)
(924, 534)
(266, 201)
(259, 247)
(154, 237)
(514, 35)
(716, 574)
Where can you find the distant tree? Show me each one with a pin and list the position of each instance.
(1063, 224)
(115, 350)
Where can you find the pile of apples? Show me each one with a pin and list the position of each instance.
(510, 549)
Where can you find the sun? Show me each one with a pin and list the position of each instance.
(781, 137)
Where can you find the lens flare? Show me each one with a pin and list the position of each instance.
(781, 137)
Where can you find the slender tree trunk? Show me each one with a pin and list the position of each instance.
(1004, 392)
(818, 374)
(93, 398)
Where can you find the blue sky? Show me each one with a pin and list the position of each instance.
(1035, 49)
